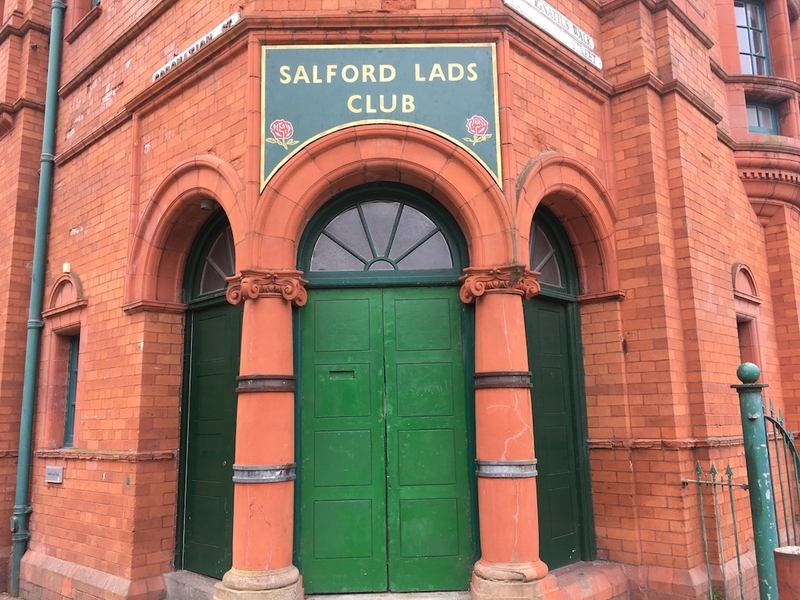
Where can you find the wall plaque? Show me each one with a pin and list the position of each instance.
(310, 91)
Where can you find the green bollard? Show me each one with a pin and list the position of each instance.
(759, 477)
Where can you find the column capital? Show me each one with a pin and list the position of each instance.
(249, 285)
(507, 279)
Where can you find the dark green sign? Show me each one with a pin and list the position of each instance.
(310, 91)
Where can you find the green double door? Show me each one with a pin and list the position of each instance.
(384, 492)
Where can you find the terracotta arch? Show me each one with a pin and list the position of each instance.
(580, 202)
(371, 153)
(170, 222)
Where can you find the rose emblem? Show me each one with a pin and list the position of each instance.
(477, 126)
(282, 130)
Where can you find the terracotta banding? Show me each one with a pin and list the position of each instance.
(506, 469)
(502, 379)
(264, 473)
(265, 383)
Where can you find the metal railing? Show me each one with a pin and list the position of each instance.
(785, 467)
(715, 491)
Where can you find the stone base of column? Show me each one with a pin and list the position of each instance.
(513, 581)
(280, 584)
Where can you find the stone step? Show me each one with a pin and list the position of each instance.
(184, 585)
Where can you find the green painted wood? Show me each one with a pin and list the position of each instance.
(555, 427)
(213, 342)
(384, 469)
(343, 497)
(430, 544)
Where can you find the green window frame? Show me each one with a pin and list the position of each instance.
(762, 118)
(72, 384)
(751, 30)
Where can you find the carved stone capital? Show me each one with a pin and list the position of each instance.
(508, 279)
(250, 285)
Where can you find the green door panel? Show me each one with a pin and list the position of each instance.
(214, 335)
(426, 432)
(343, 502)
(384, 467)
(554, 432)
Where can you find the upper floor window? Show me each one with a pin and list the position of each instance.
(762, 118)
(751, 29)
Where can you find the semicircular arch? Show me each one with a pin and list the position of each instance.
(170, 222)
(580, 202)
(383, 153)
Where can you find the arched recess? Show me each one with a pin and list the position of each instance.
(387, 153)
(169, 224)
(583, 207)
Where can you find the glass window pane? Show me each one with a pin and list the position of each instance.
(758, 44)
(543, 259)
(752, 116)
(380, 218)
(741, 14)
(747, 64)
(348, 229)
(765, 117)
(541, 248)
(761, 66)
(381, 265)
(434, 253)
(412, 228)
(744, 40)
(330, 256)
(550, 273)
(754, 16)
(219, 264)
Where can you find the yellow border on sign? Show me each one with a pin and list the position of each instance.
(496, 175)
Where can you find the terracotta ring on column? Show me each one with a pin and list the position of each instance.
(506, 469)
(263, 474)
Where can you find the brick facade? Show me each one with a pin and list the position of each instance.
(648, 164)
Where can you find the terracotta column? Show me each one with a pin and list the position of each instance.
(510, 566)
(264, 472)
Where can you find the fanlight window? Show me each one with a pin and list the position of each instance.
(544, 260)
(381, 235)
(218, 264)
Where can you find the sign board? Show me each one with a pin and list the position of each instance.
(310, 91)
(54, 474)
(552, 22)
(203, 41)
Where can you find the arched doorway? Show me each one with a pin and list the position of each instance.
(211, 365)
(552, 322)
(386, 489)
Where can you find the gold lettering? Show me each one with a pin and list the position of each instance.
(286, 77)
(331, 72)
(387, 73)
(408, 103)
(349, 69)
(301, 75)
(436, 72)
(367, 72)
(473, 75)
(314, 75)
(452, 69)
(394, 104)
(350, 106)
(417, 76)
(369, 108)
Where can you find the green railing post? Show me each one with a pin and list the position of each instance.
(759, 477)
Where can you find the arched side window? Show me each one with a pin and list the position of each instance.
(382, 233)
(551, 255)
(211, 262)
